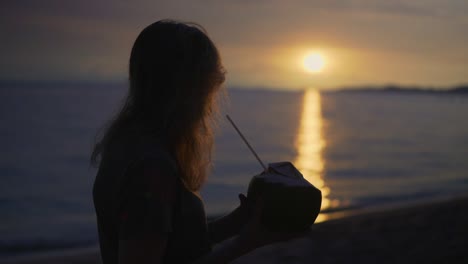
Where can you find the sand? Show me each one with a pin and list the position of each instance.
(430, 233)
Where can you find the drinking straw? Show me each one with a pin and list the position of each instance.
(246, 142)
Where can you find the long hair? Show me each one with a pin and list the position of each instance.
(174, 73)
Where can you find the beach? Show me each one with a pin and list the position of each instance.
(413, 149)
(425, 233)
(368, 101)
(429, 233)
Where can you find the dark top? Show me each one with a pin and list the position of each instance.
(137, 193)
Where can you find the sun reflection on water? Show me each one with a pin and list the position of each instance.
(310, 144)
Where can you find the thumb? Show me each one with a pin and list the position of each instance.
(242, 199)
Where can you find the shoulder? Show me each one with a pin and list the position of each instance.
(153, 169)
(150, 170)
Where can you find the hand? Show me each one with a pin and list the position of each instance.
(245, 210)
(242, 214)
(256, 235)
(231, 224)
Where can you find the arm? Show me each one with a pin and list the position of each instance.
(251, 236)
(140, 243)
(146, 213)
(151, 250)
(141, 251)
(143, 236)
(229, 225)
(227, 252)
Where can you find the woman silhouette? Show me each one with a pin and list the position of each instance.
(154, 156)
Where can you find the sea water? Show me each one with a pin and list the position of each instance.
(364, 150)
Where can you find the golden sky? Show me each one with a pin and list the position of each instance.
(263, 43)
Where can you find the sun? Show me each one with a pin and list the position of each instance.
(314, 62)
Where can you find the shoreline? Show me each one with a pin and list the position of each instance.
(354, 235)
(382, 208)
(425, 233)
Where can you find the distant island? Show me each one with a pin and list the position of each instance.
(122, 85)
(462, 89)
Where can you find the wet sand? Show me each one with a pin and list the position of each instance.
(430, 233)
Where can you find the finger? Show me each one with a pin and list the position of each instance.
(242, 199)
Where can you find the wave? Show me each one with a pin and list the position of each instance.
(12, 248)
(340, 209)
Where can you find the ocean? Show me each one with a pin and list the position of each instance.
(364, 150)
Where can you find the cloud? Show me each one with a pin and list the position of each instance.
(77, 38)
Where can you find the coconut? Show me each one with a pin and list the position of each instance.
(290, 202)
